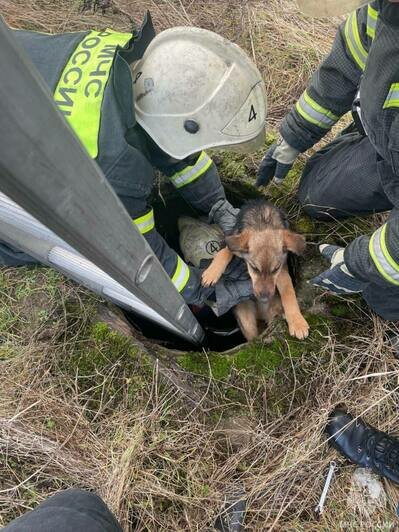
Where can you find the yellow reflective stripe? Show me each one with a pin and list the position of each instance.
(80, 90)
(387, 255)
(372, 16)
(319, 108)
(191, 173)
(145, 223)
(181, 275)
(353, 41)
(393, 97)
(311, 111)
(382, 259)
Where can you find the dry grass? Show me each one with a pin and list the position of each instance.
(285, 46)
(79, 407)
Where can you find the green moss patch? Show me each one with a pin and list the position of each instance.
(109, 367)
(258, 359)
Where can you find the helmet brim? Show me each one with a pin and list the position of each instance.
(249, 146)
(329, 8)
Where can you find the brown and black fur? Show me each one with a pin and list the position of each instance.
(261, 237)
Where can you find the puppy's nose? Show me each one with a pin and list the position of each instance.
(264, 297)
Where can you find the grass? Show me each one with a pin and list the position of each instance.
(262, 357)
(82, 405)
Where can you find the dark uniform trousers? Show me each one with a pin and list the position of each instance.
(72, 510)
(342, 180)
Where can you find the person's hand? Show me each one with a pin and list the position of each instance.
(337, 279)
(234, 286)
(276, 163)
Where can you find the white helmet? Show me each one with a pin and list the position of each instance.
(329, 8)
(194, 90)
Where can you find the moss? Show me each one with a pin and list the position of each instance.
(104, 347)
(233, 167)
(205, 490)
(198, 363)
(239, 166)
(270, 138)
(259, 359)
(295, 174)
(50, 423)
(341, 310)
(255, 358)
(304, 225)
(108, 366)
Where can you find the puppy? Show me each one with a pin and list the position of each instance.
(261, 237)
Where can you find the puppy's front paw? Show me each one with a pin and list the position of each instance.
(299, 327)
(210, 276)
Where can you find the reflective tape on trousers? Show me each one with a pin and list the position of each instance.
(80, 89)
(393, 97)
(191, 173)
(382, 259)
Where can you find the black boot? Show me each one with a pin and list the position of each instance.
(364, 445)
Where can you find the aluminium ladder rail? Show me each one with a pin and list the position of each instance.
(20, 229)
(47, 172)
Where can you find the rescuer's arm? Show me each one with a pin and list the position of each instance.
(329, 95)
(132, 179)
(228, 292)
(197, 181)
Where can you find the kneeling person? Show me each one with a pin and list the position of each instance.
(140, 102)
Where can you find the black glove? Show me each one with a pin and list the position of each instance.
(276, 163)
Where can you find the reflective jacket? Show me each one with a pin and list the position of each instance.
(89, 74)
(364, 59)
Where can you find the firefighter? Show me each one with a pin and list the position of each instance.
(357, 173)
(140, 102)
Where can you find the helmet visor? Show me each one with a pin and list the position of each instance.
(328, 8)
(249, 146)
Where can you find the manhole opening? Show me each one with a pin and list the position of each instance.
(221, 334)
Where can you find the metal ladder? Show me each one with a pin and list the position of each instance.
(76, 223)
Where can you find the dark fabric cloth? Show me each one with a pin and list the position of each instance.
(357, 175)
(381, 296)
(72, 510)
(333, 86)
(342, 180)
(10, 256)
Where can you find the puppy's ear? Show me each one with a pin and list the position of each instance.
(294, 242)
(238, 244)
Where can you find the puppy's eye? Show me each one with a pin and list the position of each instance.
(254, 269)
(276, 269)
